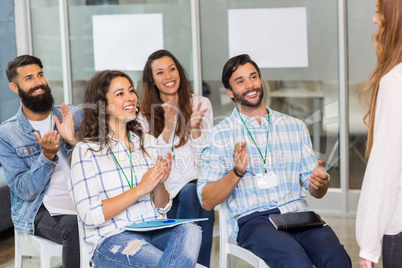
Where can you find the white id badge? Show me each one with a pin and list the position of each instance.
(270, 179)
(262, 182)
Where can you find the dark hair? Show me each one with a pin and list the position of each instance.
(151, 97)
(231, 66)
(20, 61)
(95, 125)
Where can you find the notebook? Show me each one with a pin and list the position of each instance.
(159, 224)
(296, 221)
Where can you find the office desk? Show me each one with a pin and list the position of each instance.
(316, 93)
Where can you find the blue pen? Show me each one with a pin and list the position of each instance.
(163, 221)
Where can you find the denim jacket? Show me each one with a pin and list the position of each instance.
(27, 170)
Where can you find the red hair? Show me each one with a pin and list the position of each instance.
(388, 43)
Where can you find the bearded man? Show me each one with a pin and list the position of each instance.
(261, 162)
(34, 148)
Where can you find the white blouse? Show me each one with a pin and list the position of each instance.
(379, 211)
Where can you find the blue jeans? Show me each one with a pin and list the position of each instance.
(61, 229)
(171, 247)
(186, 206)
(392, 251)
(318, 246)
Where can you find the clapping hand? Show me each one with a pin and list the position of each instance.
(167, 162)
(195, 121)
(170, 112)
(50, 143)
(196, 117)
(66, 128)
(241, 157)
(156, 175)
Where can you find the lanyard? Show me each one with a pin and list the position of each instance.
(264, 159)
(131, 163)
(172, 148)
(51, 120)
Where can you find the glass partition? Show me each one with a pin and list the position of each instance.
(46, 42)
(362, 59)
(9, 101)
(308, 93)
(176, 35)
(47, 45)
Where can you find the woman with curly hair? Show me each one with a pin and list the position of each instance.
(180, 121)
(118, 178)
(379, 213)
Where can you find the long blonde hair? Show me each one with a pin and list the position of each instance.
(388, 43)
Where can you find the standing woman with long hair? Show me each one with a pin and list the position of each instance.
(118, 178)
(180, 121)
(379, 213)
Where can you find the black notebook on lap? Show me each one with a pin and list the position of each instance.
(296, 221)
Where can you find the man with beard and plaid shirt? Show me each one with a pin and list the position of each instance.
(261, 162)
(34, 148)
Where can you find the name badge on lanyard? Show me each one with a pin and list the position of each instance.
(266, 180)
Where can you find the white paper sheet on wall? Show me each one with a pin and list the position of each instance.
(124, 42)
(273, 37)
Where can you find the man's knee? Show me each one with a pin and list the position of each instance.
(70, 230)
(337, 257)
(294, 260)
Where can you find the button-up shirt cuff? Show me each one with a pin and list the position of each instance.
(369, 256)
(165, 209)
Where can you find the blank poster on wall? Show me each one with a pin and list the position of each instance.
(124, 42)
(273, 37)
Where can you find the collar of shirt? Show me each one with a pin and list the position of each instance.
(250, 119)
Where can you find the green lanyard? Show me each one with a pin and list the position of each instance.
(172, 148)
(131, 163)
(264, 159)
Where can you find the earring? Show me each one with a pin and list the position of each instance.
(137, 109)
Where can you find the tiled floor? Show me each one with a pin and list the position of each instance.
(344, 228)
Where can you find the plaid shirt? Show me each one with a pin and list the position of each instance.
(96, 176)
(290, 156)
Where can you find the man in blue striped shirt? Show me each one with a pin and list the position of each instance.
(261, 162)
